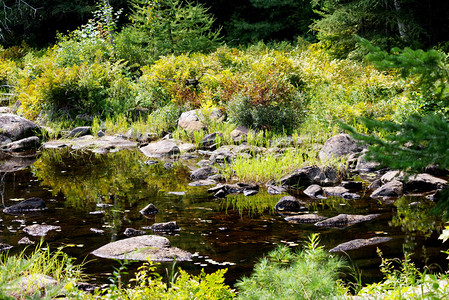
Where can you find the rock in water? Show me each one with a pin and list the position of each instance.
(40, 230)
(28, 205)
(345, 220)
(144, 247)
(149, 210)
(168, 226)
(359, 243)
(160, 149)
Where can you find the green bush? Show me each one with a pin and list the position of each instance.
(309, 274)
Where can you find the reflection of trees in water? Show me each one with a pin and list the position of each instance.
(414, 217)
(120, 178)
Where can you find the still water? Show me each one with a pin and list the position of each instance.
(94, 198)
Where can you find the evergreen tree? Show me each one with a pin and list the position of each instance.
(170, 27)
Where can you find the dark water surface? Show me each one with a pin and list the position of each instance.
(228, 233)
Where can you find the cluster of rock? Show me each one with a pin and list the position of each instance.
(18, 134)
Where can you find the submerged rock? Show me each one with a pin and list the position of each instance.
(11, 163)
(28, 205)
(40, 230)
(4, 247)
(306, 218)
(25, 241)
(345, 220)
(26, 144)
(145, 247)
(359, 243)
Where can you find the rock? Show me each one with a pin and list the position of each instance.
(275, 190)
(177, 193)
(11, 163)
(80, 131)
(217, 177)
(4, 247)
(168, 226)
(103, 145)
(40, 230)
(424, 183)
(366, 166)
(390, 189)
(31, 286)
(352, 185)
(143, 248)
(188, 156)
(338, 146)
(28, 205)
(133, 232)
(304, 219)
(160, 149)
(25, 241)
(203, 173)
(26, 144)
(100, 133)
(211, 139)
(6, 110)
(339, 191)
(149, 210)
(204, 182)
(314, 191)
(435, 197)
(359, 243)
(288, 204)
(151, 162)
(190, 121)
(14, 128)
(187, 147)
(168, 165)
(435, 170)
(146, 137)
(286, 141)
(343, 220)
(222, 157)
(239, 134)
(392, 175)
(375, 184)
(311, 175)
(250, 192)
(98, 231)
(203, 163)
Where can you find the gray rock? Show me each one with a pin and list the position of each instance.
(286, 141)
(204, 182)
(80, 131)
(343, 220)
(359, 243)
(222, 157)
(104, 144)
(14, 128)
(392, 175)
(177, 193)
(424, 183)
(160, 149)
(167, 226)
(305, 219)
(6, 110)
(25, 241)
(187, 147)
(275, 190)
(339, 191)
(338, 146)
(190, 121)
(133, 232)
(239, 134)
(29, 143)
(217, 177)
(211, 139)
(222, 190)
(4, 247)
(352, 185)
(143, 248)
(314, 191)
(168, 165)
(250, 192)
(375, 184)
(311, 175)
(100, 133)
(288, 204)
(28, 205)
(149, 210)
(40, 230)
(363, 165)
(390, 189)
(203, 173)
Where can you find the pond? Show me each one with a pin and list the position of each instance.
(95, 197)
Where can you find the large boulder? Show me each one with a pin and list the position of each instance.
(160, 149)
(14, 128)
(311, 175)
(423, 183)
(28, 205)
(143, 248)
(338, 146)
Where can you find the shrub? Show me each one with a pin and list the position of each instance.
(309, 274)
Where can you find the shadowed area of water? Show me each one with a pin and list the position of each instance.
(228, 233)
